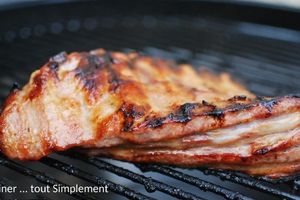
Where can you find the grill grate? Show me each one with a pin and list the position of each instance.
(39, 176)
(266, 63)
(93, 179)
(150, 184)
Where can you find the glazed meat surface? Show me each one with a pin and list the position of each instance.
(144, 109)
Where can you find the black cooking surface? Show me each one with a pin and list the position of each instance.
(262, 54)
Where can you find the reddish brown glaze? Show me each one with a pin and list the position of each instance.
(115, 102)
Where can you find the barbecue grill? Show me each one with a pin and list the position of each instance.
(259, 45)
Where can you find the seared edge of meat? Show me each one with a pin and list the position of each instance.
(233, 135)
(269, 156)
(83, 99)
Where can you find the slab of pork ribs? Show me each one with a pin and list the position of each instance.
(145, 109)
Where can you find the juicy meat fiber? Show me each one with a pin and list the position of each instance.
(145, 109)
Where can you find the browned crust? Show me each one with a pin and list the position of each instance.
(99, 73)
(184, 118)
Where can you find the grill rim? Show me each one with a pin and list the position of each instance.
(253, 12)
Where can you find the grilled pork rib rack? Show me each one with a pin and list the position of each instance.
(143, 109)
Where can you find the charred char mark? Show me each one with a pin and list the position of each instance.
(88, 65)
(187, 108)
(114, 81)
(156, 122)
(95, 61)
(205, 103)
(237, 107)
(217, 113)
(90, 84)
(88, 81)
(14, 87)
(56, 60)
(184, 113)
(130, 112)
(87, 69)
(261, 151)
(269, 104)
(53, 66)
(238, 98)
(79, 74)
(108, 58)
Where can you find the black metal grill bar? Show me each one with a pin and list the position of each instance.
(286, 179)
(140, 38)
(236, 47)
(235, 51)
(121, 38)
(296, 184)
(39, 176)
(256, 184)
(150, 184)
(203, 185)
(253, 65)
(71, 170)
(265, 47)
